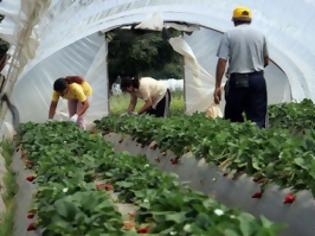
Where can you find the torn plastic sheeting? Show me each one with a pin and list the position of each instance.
(155, 22)
(208, 179)
(152, 22)
(182, 27)
(199, 89)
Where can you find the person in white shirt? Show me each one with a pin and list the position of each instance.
(155, 94)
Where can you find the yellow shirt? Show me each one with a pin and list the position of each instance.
(76, 91)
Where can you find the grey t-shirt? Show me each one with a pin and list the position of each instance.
(244, 48)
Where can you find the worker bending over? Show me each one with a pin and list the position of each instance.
(76, 90)
(155, 94)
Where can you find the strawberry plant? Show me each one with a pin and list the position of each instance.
(69, 162)
(296, 117)
(269, 155)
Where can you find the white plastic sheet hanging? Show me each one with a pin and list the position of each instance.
(199, 85)
(152, 22)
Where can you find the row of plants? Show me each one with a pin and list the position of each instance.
(72, 168)
(10, 188)
(269, 155)
(293, 116)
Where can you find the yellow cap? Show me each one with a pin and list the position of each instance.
(242, 13)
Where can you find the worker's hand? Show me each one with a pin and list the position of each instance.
(74, 118)
(217, 95)
(129, 112)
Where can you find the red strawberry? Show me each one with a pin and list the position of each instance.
(289, 198)
(107, 187)
(143, 230)
(257, 194)
(128, 225)
(174, 161)
(30, 215)
(31, 227)
(30, 178)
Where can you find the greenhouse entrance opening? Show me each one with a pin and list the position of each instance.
(143, 53)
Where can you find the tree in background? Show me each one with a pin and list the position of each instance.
(143, 53)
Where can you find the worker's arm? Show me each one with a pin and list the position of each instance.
(218, 79)
(266, 53)
(86, 105)
(133, 103)
(52, 109)
(147, 105)
(266, 61)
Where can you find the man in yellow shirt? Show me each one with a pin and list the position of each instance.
(76, 90)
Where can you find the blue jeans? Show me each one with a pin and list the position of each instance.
(246, 93)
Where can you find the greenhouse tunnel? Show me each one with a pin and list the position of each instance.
(53, 38)
(286, 49)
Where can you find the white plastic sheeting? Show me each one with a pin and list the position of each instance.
(87, 58)
(290, 33)
(199, 83)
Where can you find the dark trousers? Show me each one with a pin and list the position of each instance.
(162, 108)
(246, 93)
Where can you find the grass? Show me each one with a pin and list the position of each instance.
(118, 104)
(6, 220)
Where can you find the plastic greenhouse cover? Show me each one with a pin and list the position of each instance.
(63, 22)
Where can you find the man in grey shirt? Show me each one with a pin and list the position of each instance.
(246, 51)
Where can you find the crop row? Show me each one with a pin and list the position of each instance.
(269, 155)
(72, 170)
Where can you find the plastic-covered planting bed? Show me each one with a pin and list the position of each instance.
(23, 198)
(83, 187)
(208, 179)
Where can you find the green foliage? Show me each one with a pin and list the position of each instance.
(142, 53)
(67, 202)
(296, 117)
(6, 220)
(271, 154)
